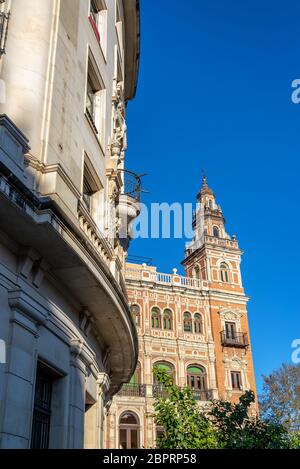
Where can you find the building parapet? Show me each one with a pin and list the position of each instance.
(149, 275)
(213, 241)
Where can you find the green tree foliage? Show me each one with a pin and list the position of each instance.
(177, 412)
(223, 425)
(280, 400)
(237, 429)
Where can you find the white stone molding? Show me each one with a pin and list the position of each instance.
(80, 357)
(21, 302)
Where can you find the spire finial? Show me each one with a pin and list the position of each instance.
(204, 180)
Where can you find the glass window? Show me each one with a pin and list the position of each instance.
(42, 409)
(94, 11)
(196, 378)
(216, 232)
(198, 324)
(187, 322)
(87, 193)
(129, 431)
(236, 380)
(224, 273)
(90, 99)
(230, 330)
(156, 318)
(98, 19)
(136, 313)
(197, 272)
(167, 320)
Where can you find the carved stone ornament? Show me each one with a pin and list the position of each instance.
(119, 137)
(230, 314)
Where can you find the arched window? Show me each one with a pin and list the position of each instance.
(224, 273)
(136, 313)
(156, 318)
(164, 366)
(129, 429)
(187, 322)
(216, 232)
(198, 324)
(197, 272)
(167, 320)
(196, 378)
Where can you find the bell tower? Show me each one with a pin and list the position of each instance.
(213, 258)
(213, 255)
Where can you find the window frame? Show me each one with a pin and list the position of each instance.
(95, 99)
(217, 230)
(156, 317)
(187, 321)
(200, 378)
(236, 384)
(128, 428)
(136, 314)
(98, 15)
(167, 320)
(198, 320)
(224, 273)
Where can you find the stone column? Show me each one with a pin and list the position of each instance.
(103, 385)
(78, 372)
(17, 408)
(95, 416)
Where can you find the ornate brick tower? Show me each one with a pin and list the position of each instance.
(214, 257)
(195, 327)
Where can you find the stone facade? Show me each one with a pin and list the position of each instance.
(196, 327)
(68, 69)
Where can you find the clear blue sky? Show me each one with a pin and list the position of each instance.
(214, 92)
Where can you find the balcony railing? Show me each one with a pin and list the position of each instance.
(203, 394)
(238, 339)
(133, 390)
(132, 184)
(158, 390)
(176, 280)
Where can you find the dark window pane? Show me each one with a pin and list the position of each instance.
(123, 439)
(134, 439)
(41, 410)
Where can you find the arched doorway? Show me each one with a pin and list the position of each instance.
(129, 431)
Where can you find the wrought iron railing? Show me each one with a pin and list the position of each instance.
(133, 390)
(132, 184)
(237, 339)
(158, 390)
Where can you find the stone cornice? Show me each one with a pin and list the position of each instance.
(28, 306)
